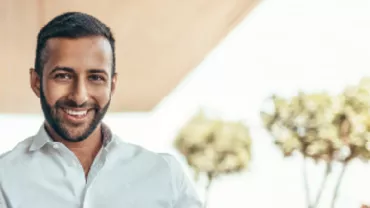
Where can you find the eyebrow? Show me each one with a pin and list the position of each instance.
(58, 68)
(98, 71)
(71, 70)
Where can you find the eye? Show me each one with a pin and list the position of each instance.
(97, 78)
(63, 76)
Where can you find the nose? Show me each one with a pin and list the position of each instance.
(79, 92)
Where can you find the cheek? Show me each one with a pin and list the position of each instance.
(53, 92)
(102, 96)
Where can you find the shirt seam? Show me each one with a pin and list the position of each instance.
(2, 202)
(175, 197)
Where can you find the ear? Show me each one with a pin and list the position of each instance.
(114, 83)
(35, 82)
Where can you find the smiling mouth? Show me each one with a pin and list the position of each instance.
(80, 113)
(75, 116)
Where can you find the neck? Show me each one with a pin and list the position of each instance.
(85, 150)
(94, 141)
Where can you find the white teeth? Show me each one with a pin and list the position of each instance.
(76, 113)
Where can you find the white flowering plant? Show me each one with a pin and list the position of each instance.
(330, 128)
(214, 147)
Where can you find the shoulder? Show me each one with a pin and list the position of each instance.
(183, 187)
(163, 163)
(137, 154)
(173, 164)
(16, 154)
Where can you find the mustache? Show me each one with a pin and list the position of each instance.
(73, 104)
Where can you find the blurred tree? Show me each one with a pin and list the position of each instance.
(323, 128)
(214, 147)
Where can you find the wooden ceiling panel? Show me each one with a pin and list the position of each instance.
(20, 22)
(158, 43)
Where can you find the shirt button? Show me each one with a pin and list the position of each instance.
(55, 146)
(76, 164)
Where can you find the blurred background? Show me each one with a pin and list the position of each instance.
(227, 57)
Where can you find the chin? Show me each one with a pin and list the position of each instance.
(75, 138)
(75, 134)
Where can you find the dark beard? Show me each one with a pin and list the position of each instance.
(50, 114)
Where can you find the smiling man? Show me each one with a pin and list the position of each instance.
(74, 160)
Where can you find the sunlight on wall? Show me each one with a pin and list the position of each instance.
(283, 46)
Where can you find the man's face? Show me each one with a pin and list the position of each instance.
(76, 85)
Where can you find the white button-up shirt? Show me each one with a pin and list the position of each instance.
(41, 173)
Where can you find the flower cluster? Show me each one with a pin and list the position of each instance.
(322, 126)
(214, 146)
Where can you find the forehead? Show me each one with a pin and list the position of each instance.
(81, 54)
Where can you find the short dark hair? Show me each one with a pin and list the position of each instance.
(71, 25)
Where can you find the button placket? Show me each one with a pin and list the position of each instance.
(75, 163)
(91, 178)
(55, 146)
(71, 166)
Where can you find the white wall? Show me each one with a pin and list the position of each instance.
(283, 46)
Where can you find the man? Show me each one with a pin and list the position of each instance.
(74, 161)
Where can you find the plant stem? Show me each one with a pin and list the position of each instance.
(210, 180)
(337, 186)
(306, 186)
(322, 186)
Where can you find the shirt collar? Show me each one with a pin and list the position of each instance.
(42, 137)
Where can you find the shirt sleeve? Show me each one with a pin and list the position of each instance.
(2, 194)
(184, 190)
(2, 200)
